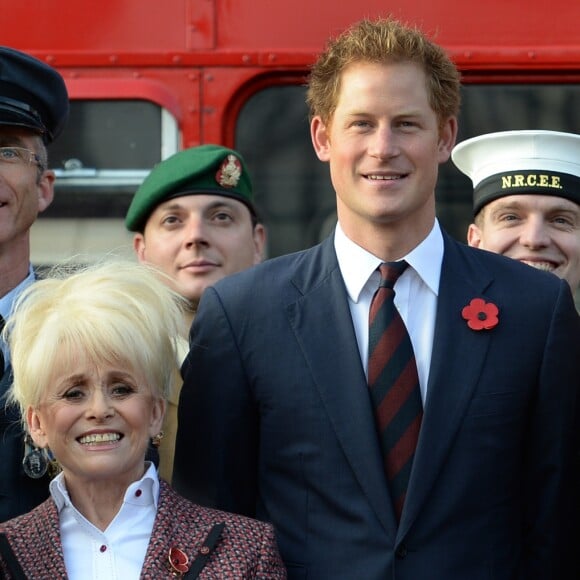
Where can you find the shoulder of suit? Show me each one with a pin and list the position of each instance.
(502, 265)
(274, 270)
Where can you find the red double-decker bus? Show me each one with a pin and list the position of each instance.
(147, 78)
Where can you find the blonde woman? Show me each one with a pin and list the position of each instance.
(93, 358)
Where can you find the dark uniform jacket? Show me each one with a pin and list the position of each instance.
(18, 492)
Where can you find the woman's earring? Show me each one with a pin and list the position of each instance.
(156, 439)
(54, 467)
(35, 462)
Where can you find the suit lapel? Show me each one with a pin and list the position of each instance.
(458, 356)
(319, 315)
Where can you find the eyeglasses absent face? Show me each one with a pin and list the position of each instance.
(15, 155)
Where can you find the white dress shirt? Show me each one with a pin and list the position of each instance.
(117, 553)
(7, 304)
(415, 293)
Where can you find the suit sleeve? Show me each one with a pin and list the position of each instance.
(551, 448)
(217, 438)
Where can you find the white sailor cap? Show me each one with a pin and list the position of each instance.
(520, 162)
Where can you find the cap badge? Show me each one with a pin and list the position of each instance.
(230, 171)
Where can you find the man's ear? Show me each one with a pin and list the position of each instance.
(474, 236)
(139, 247)
(45, 189)
(259, 235)
(447, 139)
(36, 428)
(320, 136)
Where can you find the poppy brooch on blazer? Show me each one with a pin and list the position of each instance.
(480, 315)
(179, 561)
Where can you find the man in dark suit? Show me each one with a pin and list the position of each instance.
(277, 418)
(33, 110)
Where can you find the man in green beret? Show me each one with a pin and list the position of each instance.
(194, 218)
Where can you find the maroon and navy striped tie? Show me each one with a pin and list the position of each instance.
(394, 384)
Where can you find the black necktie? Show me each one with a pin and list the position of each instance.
(394, 384)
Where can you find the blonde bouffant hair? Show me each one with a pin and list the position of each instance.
(118, 311)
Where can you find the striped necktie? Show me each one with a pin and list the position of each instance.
(394, 385)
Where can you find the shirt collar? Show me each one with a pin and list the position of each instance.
(6, 302)
(357, 265)
(148, 486)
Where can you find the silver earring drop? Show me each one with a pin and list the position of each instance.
(35, 462)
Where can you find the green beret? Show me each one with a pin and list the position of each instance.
(207, 169)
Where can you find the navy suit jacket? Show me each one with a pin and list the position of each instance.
(275, 421)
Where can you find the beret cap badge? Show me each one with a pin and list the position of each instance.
(230, 171)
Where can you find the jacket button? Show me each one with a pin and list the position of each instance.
(401, 551)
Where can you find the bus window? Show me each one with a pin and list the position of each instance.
(292, 188)
(106, 150)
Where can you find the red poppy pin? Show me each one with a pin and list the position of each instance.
(480, 315)
(178, 560)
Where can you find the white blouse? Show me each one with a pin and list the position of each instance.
(118, 552)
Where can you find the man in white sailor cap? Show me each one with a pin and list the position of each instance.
(526, 198)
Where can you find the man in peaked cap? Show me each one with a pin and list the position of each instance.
(526, 198)
(34, 108)
(194, 218)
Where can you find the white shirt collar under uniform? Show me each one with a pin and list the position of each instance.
(7, 304)
(117, 553)
(416, 293)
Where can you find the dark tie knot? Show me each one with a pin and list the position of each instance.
(390, 272)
